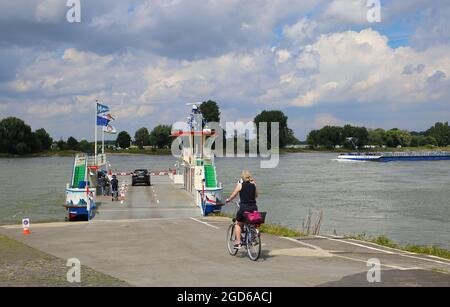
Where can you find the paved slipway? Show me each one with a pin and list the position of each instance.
(157, 238)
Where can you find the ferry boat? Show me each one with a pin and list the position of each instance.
(396, 156)
(196, 169)
(81, 191)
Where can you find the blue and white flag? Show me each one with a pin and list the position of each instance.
(102, 108)
(102, 121)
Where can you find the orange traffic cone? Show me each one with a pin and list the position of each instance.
(26, 231)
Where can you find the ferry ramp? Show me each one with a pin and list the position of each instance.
(162, 199)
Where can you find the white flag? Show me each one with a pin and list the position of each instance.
(109, 129)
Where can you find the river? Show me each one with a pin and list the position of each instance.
(406, 201)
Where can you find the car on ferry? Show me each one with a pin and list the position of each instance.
(140, 176)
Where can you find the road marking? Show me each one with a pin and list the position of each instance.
(382, 264)
(207, 224)
(426, 259)
(357, 244)
(350, 258)
(302, 243)
(410, 254)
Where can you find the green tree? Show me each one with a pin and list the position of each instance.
(142, 137)
(360, 134)
(62, 145)
(85, 146)
(291, 138)
(396, 137)
(15, 136)
(441, 133)
(377, 137)
(35, 143)
(330, 136)
(44, 138)
(161, 136)
(274, 116)
(210, 111)
(72, 143)
(421, 140)
(123, 140)
(312, 138)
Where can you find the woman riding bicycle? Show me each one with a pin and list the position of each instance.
(246, 188)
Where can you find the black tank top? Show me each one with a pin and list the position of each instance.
(248, 193)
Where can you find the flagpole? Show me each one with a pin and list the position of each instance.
(103, 140)
(95, 145)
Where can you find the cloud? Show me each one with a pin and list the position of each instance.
(347, 11)
(178, 29)
(433, 28)
(361, 67)
(322, 120)
(319, 60)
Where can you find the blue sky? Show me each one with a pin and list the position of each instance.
(321, 62)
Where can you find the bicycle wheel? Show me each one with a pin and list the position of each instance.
(254, 243)
(231, 238)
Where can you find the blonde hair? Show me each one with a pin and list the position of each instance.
(246, 176)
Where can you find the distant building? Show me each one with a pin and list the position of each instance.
(300, 146)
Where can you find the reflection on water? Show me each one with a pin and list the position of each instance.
(407, 201)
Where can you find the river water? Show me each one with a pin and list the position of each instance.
(406, 201)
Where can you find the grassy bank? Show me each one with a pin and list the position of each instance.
(50, 153)
(384, 241)
(23, 266)
(137, 151)
(272, 229)
(72, 153)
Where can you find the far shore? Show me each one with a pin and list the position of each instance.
(167, 152)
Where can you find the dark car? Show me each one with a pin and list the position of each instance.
(140, 176)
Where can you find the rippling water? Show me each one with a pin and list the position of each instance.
(407, 201)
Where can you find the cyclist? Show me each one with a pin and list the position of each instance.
(248, 192)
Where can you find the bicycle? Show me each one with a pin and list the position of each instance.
(250, 237)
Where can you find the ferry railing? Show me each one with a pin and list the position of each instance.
(97, 161)
(417, 153)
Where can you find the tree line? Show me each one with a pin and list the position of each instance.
(159, 137)
(350, 136)
(16, 137)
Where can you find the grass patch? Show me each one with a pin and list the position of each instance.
(137, 151)
(385, 241)
(281, 231)
(273, 229)
(439, 270)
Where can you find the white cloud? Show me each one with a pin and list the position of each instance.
(362, 68)
(322, 120)
(348, 11)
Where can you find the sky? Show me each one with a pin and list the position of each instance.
(321, 62)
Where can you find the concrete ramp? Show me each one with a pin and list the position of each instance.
(161, 200)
